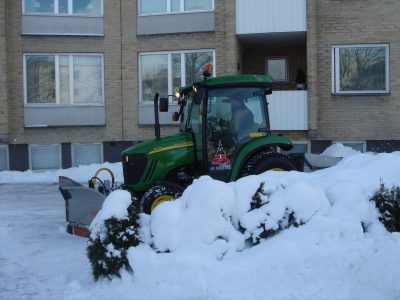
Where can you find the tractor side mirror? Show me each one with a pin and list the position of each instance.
(163, 104)
(175, 116)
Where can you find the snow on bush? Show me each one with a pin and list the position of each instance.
(112, 232)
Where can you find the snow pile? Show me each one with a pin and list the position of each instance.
(78, 174)
(329, 241)
(198, 247)
(339, 150)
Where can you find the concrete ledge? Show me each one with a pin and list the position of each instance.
(62, 25)
(176, 23)
(61, 116)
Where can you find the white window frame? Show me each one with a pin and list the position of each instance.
(70, 10)
(183, 64)
(38, 145)
(168, 11)
(363, 143)
(57, 81)
(308, 143)
(286, 59)
(75, 144)
(7, 157)
(336, 72)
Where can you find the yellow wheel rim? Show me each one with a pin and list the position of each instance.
(277, 169)
(160, 200)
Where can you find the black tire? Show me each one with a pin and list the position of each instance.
(264, 161)
(156, 195)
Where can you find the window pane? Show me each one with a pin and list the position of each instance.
(356, 146)
(3, 159)
(39, 6)
(86, 154)
(63, 6)
(45, 157)
(198, 5)
(194, 65)
(91, 7)
(176, 72)
(154, 76)
(153, 6)
(175, 5)
(64, 79)
(277, 69)
(362, 69)
(297, 148)
(88, 83)
(40, 79)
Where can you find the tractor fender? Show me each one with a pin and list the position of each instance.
(255, 146)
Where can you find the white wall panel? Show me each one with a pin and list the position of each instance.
(288, 110)
(264, 16)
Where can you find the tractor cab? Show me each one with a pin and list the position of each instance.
(222, 119)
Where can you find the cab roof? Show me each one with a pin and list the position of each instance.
(232, 81)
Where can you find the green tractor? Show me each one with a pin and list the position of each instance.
(224, 133)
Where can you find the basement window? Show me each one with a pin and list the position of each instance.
(360, 69)
(358, 146)
(299, 147)
(45, 157)
(4, 158)
(87, 154)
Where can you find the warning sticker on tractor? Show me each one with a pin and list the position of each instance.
(220, 161)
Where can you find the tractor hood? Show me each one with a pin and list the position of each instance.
(153, 147)
(151, 161)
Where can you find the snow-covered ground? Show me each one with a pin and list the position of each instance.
(330, 257)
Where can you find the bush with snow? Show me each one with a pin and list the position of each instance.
(388, 203)
(113, 232)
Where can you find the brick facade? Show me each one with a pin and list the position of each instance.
(357, 22)
(329, 22)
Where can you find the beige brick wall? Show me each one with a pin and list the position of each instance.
(110, 45)
(357, 22)
(3, 71)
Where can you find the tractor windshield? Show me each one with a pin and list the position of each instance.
(234, 116)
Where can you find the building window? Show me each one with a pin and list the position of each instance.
(277, 68)
(63, 7)
(63, 79)
(358, 146)
(299, 147)
(45, 157)
(174, 6)
(164, 72)
(87, 154)
(3, 158)
(360, 69)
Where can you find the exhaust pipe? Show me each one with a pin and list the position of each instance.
(156, 117)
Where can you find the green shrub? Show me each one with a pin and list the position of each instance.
(107, 249)
(388, 203)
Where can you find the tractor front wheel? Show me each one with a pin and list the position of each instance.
(267, 161)
(157, 195)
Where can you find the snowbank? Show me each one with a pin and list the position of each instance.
(197, 246)
(79, 174)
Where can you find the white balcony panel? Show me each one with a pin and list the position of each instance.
(288, 110)
(266, 16)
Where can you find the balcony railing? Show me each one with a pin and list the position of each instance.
(267, 16)
(288, 110)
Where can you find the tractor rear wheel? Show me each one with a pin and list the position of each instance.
(157, 195)
(267, 161)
